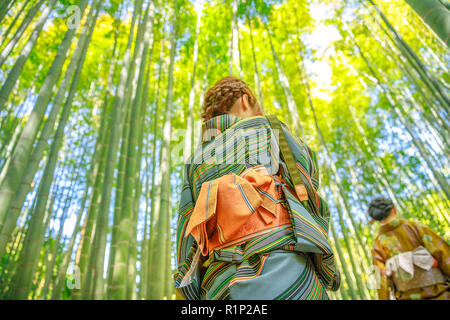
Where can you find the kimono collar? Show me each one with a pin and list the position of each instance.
(391, 225)
(216, 125)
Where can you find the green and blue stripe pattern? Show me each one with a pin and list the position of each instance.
(287, 262)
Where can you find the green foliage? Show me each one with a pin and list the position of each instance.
(383, 122)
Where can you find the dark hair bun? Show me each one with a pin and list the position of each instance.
(379, 208)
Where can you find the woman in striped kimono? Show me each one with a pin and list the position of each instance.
(244, 230)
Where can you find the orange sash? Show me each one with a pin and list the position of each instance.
(233, 209)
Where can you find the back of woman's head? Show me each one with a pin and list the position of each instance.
(379, 208)
(221, 97)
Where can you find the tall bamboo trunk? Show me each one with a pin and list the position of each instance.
(19, 32)
(435, 15)
(255, 65)
(36, 233)
(431, 83)
(357, 272)
(77, 61)
(233, 39)
(190, 111)
(142, 101)
(94, 277)
(120, 184)
(435, 176)
(14, 73)
(168, 285)
(49, 272)
(156, 183)
(4, 35)
(22, 152)
(124, 258)
(143, 274)
(5, 6)
(343, 198)
(291, 105)
(161, 236)
(342, 264)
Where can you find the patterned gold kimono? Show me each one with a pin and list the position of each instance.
(400, 236)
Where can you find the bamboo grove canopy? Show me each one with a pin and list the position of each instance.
(100, 102)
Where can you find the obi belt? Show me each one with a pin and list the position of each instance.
(414, 269)
(233, 209)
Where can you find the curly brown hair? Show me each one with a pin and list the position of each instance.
(220, 98)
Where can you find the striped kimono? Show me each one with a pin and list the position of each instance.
(292, 260)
